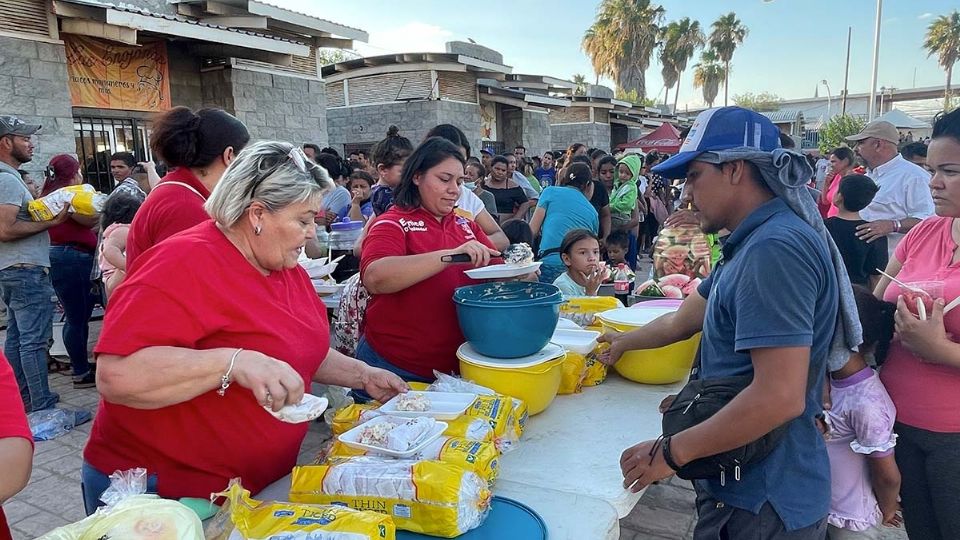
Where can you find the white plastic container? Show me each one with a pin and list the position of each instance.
(581, 342)
(352, 438)
(443, 405)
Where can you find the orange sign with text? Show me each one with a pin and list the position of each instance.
(108, 75)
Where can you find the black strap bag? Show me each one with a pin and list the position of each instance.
(699, 400)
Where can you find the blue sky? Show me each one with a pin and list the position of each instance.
(792, 44)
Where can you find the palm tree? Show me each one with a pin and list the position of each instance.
(728, 33)
(580, 80)
(621, 41)
(708, 74)
(668, 70)
(689, 38)
(943, 39)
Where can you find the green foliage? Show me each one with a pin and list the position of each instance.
(581, 81)
(839, 127)
(762, 102)
(621, 41)
(633, 97)
(943, 40)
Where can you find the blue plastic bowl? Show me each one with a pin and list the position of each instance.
(508, 319)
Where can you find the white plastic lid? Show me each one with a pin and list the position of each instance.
(635, 316)
(578, 341)
(550, 352)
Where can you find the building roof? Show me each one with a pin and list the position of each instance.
(277, 17)
(394, 63)
(784, 116)
(137, 18)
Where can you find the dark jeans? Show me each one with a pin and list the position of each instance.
(93, 483)
(28, 296)
(929, 465)
(369, 356)
(70, 273)
(719, 521)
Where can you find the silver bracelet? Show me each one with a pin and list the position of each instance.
(896, 225)
(225, 378)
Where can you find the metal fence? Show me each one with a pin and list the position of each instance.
(98, 138)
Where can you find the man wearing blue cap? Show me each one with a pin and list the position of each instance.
(770, 310)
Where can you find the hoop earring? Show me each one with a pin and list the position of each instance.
(257, 230)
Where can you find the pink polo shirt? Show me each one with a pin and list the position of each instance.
(927, 395)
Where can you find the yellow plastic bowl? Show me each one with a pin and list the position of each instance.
(536, 385)
(664, 365)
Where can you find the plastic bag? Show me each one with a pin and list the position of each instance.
(476, 456)
(83, 200)
(471, 428)
(49, 424)
(133, 515)
(498, 412)
(596, 371)
(243, 518)
(573, 369)
(348, 417)
(427, 497)
(309, 408)
(583, 309)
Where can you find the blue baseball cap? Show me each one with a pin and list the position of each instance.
(721, 128)
(489, 151)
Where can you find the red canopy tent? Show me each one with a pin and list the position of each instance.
(665, 138)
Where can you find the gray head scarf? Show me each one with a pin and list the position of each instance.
(786, 173)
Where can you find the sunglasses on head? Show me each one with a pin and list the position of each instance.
(300, 161)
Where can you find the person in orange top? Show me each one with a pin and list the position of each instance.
(211, 326)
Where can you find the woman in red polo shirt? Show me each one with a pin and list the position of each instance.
(72, 245)
(200, 146)
(16, 442)
(224, 302)
(411, 322)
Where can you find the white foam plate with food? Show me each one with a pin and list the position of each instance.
(441, 405)
(353, 437)
(503, 271)
(326, 288)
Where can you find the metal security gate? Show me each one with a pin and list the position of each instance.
(98, 138)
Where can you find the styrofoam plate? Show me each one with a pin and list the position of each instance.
(443, 405)
(501, 271)
(578, 341)
(351, 438)
(328, 289)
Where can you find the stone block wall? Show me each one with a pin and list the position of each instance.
(272, 106)
(186, 82)
(367, 124)
(591, 134)
(33, 87)
(537, 133)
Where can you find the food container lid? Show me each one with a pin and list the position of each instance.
(635, 316)
(507, 519)
(342, 226)
(578, 341)
(552, 351)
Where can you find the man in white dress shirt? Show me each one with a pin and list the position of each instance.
(904, 198)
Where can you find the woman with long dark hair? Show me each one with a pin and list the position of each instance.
(73, 244)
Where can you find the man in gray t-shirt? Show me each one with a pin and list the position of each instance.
(24, 269)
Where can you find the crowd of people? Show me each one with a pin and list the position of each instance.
(859, 380)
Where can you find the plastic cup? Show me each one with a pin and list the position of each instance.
(922, 292)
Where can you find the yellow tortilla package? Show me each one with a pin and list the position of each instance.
(583, 309)
(82, 199)
(573, 368)
(348, 417)
(476, 456)
(427, 497)
(470, 428)
(449, 383)
(596, 371)
(498, 412)
(242, 518)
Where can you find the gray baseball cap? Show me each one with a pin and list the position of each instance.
(11, 125)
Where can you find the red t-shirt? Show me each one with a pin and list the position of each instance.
(72, 233)
(198, 291)
(416, 329)
(13, 420)
(169, 209)
(927, 395)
